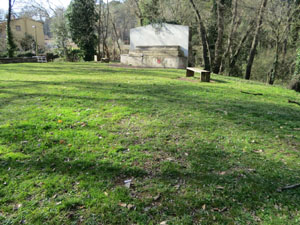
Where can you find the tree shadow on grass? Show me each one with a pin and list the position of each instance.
(217, 179)
(262, 117)
(73, 70)
(240, 183)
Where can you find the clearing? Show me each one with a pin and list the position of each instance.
(72, 133)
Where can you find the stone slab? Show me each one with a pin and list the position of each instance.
(160, 35)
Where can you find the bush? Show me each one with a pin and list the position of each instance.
(3, 55)
(59, 60)
(25, 54)
(295, 83)
(75, 55)
(51, 56)
(27, 43)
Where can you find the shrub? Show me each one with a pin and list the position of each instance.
(26, 54)
(51, 56)
(3, 55)
(295, 83)
(27, 43)
(59, 60)
(75, 55)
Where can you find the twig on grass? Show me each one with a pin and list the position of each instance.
(294, 102)
(288, 187)
(245, 92)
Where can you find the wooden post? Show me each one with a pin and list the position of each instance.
(189, 73)
(205, 76)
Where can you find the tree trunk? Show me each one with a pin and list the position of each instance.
(219, 42)
(105, 32)
(139, 13)
(255, 39)
(233, 28)
(237, 52)
(117, 36)
(11, 46)
(99, 32)
(287, 33)
(207, 65)
(274, 69)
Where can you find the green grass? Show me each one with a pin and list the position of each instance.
(197, 153)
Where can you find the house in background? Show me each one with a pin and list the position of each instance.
(20, 27)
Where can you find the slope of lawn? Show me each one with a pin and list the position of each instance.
(196, 153)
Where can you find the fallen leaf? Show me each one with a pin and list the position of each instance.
(258, 151)
(164, 222)
(155, 198)
(204, 207)
(177, 186)
(127, 183)
(147, 209)
(220, 210)
(220, 188)
(130, 206)
(170, 159)
(223, 210)
(122, 204)
(61, 142)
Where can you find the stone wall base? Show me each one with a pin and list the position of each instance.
(176, 62)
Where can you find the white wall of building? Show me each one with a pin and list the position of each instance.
(160, 35)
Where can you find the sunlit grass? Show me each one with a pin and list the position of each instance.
(72, 133)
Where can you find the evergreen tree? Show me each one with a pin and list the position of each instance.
(82, 18)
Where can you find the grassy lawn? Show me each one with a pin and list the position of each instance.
(196, 153)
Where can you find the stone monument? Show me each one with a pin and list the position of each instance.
(158, 45)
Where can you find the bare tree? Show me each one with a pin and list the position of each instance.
(203, 34)
(102, 28)
(279, 19)
(255, 39)
(219, 42)
(233, 27)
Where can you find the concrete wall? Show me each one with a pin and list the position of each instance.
(160, 35)
(154, 61)
(17, 60)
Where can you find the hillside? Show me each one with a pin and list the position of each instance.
(71, 134)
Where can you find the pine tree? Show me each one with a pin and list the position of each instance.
(82, 18)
